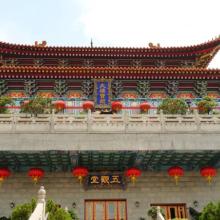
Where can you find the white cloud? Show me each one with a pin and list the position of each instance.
(132, 23)
(171, 22)
(137, 22)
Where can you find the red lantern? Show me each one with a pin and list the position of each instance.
(36, 174)
(176, 172)
(59, 105)
(144, 106)
(116, 106)
(4, 173)
(208, 173)
(80, 172)
(133, 173)
(88, 105)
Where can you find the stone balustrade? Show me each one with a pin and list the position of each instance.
(89, 123)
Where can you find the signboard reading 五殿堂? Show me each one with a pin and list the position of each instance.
(105, 180)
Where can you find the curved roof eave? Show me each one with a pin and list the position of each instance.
(11, 72)
(194, 50)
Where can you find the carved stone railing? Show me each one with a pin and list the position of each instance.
(108, 123)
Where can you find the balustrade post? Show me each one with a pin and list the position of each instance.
(125, 119)
(180, 118)
(197, 119)
(33, 119)
(162, 121)
(52, 121)
(14, 122)
(89, 120)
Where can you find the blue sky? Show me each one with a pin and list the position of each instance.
(110, 22)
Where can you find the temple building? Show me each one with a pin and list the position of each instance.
(109, 166)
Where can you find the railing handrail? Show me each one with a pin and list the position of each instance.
(112, 122)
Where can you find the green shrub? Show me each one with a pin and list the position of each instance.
(56, 212)
(37, 105)
(4, 101)
(173, 106)
(4, 218)
(152, 212)
(73, 215)
(23, 212)
(206, 105)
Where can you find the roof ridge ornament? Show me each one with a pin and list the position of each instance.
(42, 44)
(91, 43)
(151, 45)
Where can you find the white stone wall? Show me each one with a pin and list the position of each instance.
(151, 187)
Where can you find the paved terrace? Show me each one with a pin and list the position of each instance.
(109, 132)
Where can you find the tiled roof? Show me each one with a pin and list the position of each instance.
(122, 73)
(20, 49)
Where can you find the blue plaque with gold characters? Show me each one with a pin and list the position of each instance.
(103, 93)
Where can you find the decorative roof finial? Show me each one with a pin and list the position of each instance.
(91, 43)
(151, 45)
(42, 44)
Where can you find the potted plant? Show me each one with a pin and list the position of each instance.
(173, 106)
(206, 105)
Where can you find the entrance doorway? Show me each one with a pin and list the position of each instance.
(172, 211)
(105, 210)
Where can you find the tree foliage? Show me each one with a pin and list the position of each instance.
(211, 212)
(173, 106)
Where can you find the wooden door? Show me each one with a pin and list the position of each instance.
(105, 210)
(172, 211)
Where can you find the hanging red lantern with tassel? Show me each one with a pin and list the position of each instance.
(4, 173)
(88, 105)
(144, 106)
(80, 173)
(36, 174)
(116, 106)
(208, 172)
(59, 105)
(176, 172)
(133, 173)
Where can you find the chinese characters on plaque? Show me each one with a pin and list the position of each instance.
(106, 180)
(102, 92)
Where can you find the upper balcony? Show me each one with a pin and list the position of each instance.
(114, 123)
(115, 132)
